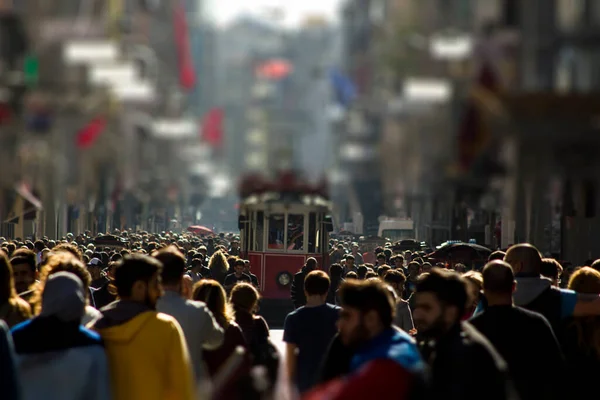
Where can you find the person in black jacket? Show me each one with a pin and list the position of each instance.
(522, 337)
(464, 365)
(297, 291)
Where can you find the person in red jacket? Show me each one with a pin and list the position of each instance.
(386, 363)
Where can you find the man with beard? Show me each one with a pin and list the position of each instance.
(147, 352)
(386, 363)
(464, 365)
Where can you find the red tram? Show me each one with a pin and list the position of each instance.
(282, 223)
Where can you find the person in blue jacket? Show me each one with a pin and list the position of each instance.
(386, 363)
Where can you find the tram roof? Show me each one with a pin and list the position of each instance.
(309, 200)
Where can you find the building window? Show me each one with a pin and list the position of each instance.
(295, 232)
(276, 232)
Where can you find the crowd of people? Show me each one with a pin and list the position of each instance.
(168, 316)
(408, 328)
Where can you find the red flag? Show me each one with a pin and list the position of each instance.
(473, 134)
(87, 136)
(187, 76)
(212, 127)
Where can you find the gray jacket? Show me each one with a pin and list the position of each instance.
(403, 319)
(198, 324)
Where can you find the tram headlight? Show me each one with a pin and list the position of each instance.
(284, 279)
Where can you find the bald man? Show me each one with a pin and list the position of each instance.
(523, 338)
(536, 293)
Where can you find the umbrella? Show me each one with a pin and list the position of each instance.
(274, 69)
(200, 230)
(465, 253)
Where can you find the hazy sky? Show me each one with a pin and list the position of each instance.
(293, 10)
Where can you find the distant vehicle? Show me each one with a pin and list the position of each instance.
(407, 244)
(472, 255)
(396, 229)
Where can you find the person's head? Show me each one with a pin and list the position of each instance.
(426, 267)
(69, 248)
(414, 270)
(138, 279)
(316, 285)
(460, 268)
(498, 282)
(354, 248)
(39, 245)
(367, 309)
(371, 274)
(350, 261)
(396, 279)
(311, 264)
(585, 280)
(173, 267)
(552, 270)
(362, 271)
(497, 255)
(398, 262)
(63, 298)
(336, 271)
(24, 269)
(440, 300)
(218, 262)
(474, 282)
(524, 259)
(238, 267)
(197, 264)
(212, 293)
(247, 266)
(351, 275)
(381, 259)
(61, 262)
(94, 267)
(381, 271)
(595, 265)
(244, 297)
(7, 282)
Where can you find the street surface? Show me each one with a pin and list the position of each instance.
(277, 338)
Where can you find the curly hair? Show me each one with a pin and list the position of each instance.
(58, 262)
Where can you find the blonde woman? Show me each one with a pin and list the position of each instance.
(13, 309)
(218, 267)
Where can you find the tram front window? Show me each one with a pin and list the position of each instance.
(295, 234)
(276, 231)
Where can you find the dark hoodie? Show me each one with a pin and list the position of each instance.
(297, 290)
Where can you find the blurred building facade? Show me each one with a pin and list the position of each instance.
(526, 178)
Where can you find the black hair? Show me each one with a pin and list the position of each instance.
(173, 265)
(134, 268)
(447, 286)
(370, 295)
